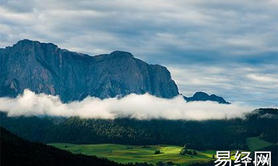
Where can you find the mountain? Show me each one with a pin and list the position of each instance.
(45, 68)
(202, 96)
(19, 152)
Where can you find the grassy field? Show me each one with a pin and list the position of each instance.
(169, 153)
(128, 153)
(255, 143)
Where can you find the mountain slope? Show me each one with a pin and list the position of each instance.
(18, 152)
(215, 134)
(45, 68)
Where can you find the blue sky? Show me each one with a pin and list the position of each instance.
(229, 47)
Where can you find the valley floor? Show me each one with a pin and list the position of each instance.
(146, 153)
(139, 154)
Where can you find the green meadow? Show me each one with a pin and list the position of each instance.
(140, 154)
(132, 153)
(255, 143)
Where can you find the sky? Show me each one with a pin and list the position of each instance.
(229, 48)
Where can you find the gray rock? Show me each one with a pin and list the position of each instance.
(45, 68)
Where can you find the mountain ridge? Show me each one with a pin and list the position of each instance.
(46, 68)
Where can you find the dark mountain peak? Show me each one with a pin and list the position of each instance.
(33, 43)
(25, 42)
(202, 96)
(33, 48)
(40, 50)
(121, 54)
(115, 55)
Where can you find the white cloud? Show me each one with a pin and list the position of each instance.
(263, 78)
(135, 106)
(133, 25)
(170, 32)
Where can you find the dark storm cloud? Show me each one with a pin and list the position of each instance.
(192, 33)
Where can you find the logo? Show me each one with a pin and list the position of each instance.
(261, 158)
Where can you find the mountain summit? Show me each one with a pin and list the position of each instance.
(45, 68)
(202, 96)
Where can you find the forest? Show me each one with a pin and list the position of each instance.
(200, 135)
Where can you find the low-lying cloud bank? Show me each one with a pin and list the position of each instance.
(135, 106)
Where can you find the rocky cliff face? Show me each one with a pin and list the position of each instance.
(45, 68)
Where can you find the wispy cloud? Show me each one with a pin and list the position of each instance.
(264, 78)
(230, 27)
